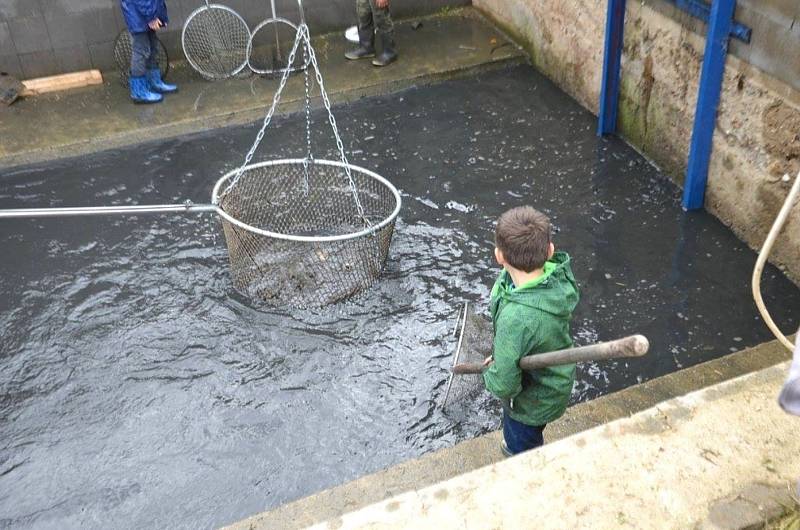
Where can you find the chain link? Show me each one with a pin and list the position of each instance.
(339, 145)
(309, 155)
(303, 34)
(267, 119)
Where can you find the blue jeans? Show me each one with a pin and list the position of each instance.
(144, 54)
(520, 437)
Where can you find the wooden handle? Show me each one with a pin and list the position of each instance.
(633, 346)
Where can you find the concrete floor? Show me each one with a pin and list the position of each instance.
(87, 120)
(484, 451)
(721, 458)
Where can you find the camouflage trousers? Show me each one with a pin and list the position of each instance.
(371, 17)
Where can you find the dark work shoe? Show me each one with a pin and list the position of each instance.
(361, 52)
(504, 448)
(388, 54)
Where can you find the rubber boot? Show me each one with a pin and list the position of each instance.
(140, 91)
(366, 46)
(388, 54)
(157, 84)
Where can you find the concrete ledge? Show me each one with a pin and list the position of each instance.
(483, 451)
(721, 458)
(455, 44)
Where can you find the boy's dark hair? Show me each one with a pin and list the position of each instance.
(523, 236)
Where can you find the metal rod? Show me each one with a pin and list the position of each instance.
(633, 346)
(188, 207)
(705, 116)
(277, 40)
(612, 60)
(701, 10)
(455, 357)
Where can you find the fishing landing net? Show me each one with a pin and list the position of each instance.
(300, 232)
(270, 43)
(215, 40)
(475, 344)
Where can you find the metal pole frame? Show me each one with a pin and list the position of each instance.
(612, 61)
(705, 117)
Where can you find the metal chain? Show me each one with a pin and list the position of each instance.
(304, 34)
(332, 120)
(260, 136)
(309, 155)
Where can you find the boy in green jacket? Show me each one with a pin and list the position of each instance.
(531, 306)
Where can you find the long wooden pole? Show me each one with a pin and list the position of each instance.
(632, 346)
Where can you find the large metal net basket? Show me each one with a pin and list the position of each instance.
(295, 235)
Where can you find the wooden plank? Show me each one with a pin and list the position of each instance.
(42, 85)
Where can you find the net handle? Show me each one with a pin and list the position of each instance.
(186, 207)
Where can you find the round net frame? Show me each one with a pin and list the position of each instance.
(123, 49)
(269, 47)
(305, 232)
(306, 249)
(215, 40)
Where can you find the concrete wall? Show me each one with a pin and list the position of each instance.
(757, 135)
(45, 37)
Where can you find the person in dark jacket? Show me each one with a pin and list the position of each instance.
(531, 305)
(372, 14)
(144, 18)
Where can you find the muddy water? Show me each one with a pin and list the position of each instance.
(138, 390)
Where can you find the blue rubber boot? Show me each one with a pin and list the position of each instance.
(157, 84)
(140, 91)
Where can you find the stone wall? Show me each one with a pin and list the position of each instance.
(45, 37)
(757, 135)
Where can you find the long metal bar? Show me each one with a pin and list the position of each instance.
(456, 355)
(21, 213)
(702, 10)
(705, 116)
(612, 60)
(277, 39)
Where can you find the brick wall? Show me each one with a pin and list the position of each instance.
(45, 37)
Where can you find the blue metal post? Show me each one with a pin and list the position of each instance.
(705, 116)
(612, 58)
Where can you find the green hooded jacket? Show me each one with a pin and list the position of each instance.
(533, 318)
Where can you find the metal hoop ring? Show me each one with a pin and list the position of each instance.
(219, 186)
(253, 34)
(189, 58)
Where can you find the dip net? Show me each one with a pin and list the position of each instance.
(475, 344)
(305, 232)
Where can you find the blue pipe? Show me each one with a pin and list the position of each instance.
(701, 10)
(612, 60)
(705, 116)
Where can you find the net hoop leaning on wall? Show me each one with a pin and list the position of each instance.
(215, 40)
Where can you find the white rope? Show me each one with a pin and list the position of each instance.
(762, 259)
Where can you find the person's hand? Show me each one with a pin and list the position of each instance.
(155, 24)
(487, 361)
(382, 4)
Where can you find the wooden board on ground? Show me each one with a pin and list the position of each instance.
(54, 83)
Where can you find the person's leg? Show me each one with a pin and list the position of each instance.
(366, 32)
(385, 26)
(152, 58)
(140, 55)
(520, 437)
(154, 71)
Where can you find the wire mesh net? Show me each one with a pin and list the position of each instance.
(123, 49)
(270, 45)
(319, 249)
(475, 346)
(215, 40)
